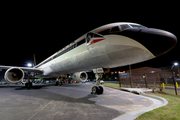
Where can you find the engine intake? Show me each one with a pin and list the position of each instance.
(80, 76)
(14, 75)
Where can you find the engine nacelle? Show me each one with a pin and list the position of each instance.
(14, 75)
(80, 76)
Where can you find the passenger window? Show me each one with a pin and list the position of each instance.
(81, 42)
(114, 29)
(75, 45)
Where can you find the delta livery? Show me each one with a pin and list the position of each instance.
(108, 46)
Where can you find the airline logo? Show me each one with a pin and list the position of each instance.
(96, 40)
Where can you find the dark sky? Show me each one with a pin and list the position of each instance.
(44, 28)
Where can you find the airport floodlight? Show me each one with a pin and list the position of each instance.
(152, 71)
(29, 65)
(176, 64)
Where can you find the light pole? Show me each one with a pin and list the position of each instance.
(175, 64)
(130, 76)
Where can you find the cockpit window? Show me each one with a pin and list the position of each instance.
(114, 29)
(91, 35)
(124, 27)
(137, 26)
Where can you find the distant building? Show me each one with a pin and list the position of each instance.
(145, 70)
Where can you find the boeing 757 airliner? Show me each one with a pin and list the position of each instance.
(108, 46)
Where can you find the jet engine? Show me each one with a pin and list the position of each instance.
(14, 75)
(80, 76)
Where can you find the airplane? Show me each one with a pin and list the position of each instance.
(112, 45)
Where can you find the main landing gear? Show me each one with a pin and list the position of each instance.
(28, 85)
(58, 81)
(98, 89)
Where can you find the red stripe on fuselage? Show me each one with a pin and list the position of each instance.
(96, 40)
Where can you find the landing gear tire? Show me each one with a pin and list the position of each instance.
(95, 90)
(60, 83)
(28, 86)
(57, 83)
(100, 90)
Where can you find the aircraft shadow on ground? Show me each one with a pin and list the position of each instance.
(32, 88)
(24, 88)
(43, 94)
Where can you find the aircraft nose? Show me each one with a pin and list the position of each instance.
(158, 41)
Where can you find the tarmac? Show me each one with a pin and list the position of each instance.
(74, 101)
(157, 102)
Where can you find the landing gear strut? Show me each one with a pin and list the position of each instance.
(58, 81)
(28, 85)
(97, 89)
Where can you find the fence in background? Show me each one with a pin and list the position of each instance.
(151, 80)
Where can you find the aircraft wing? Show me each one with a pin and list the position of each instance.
(26, 69)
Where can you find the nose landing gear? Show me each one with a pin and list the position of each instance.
(98, 89)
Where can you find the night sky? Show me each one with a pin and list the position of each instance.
(45, 28)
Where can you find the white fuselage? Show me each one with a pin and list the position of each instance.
(107, 52)
(112, 45)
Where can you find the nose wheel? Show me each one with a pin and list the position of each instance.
(98, 74)
(96, 90)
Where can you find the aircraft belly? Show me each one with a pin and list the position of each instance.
(127, 55)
